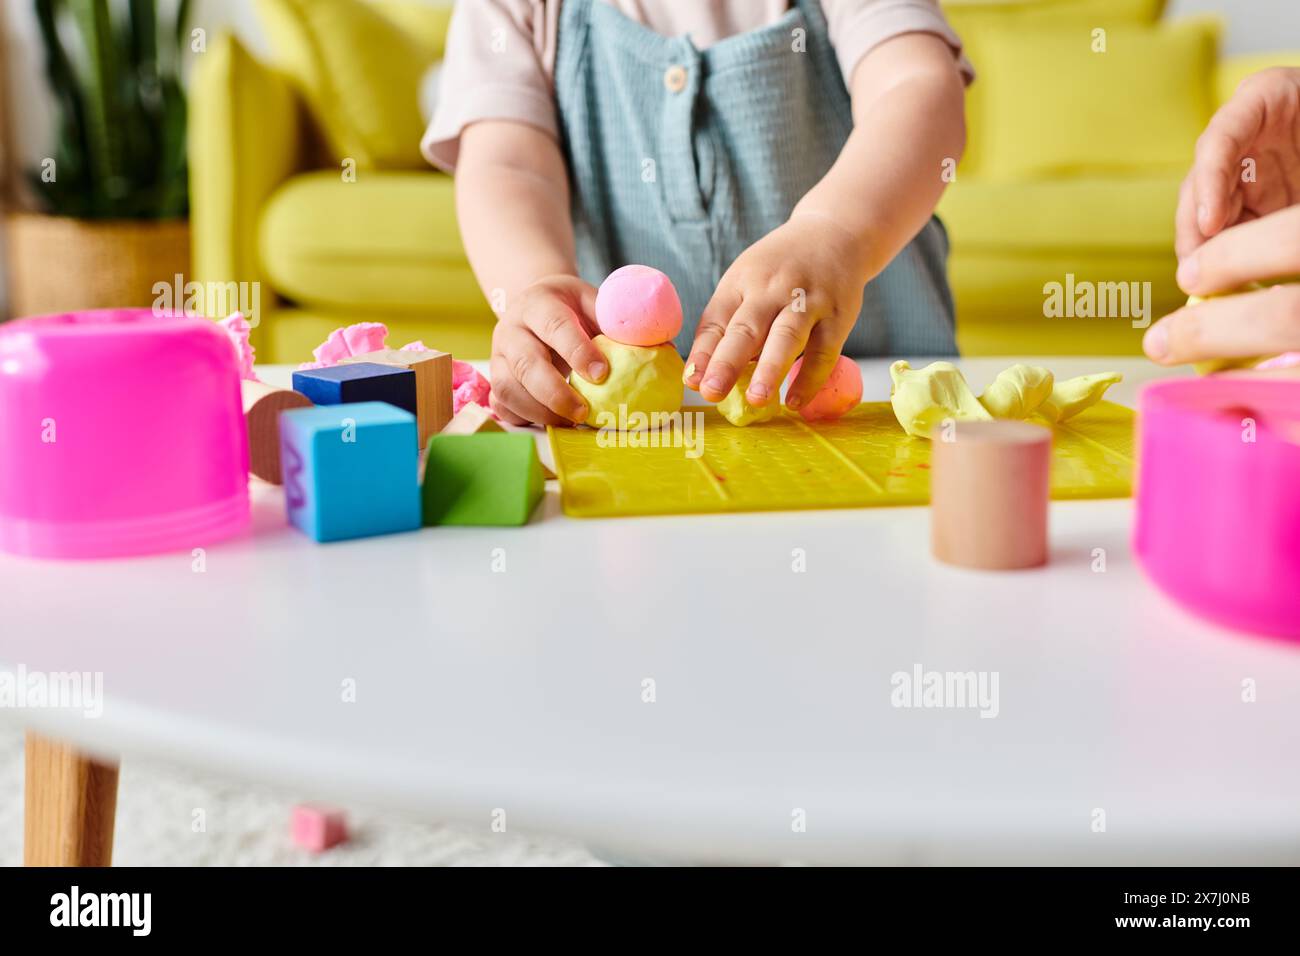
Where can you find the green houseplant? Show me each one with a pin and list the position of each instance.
(110, 202)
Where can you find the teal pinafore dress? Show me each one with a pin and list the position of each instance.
(682, 158)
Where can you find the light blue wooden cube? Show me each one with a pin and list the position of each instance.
(350, 471)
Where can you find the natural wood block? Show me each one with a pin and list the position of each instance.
(989, 486)
(262, 407)
(432, 384)
(71, 805)
(470, 420)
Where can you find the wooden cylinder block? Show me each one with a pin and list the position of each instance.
(262, 407)
(989, 484)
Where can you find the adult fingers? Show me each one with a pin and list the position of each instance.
(712, 327)
(744, 337)
(785, 341)
(1218, 151)
(1264, 248)
(1187, 235)
(1238, 326)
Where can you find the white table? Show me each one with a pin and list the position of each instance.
(478, 691)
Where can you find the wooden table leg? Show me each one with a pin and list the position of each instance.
(70, 808)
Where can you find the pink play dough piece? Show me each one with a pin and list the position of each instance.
(841, 393)
(346, 342)
(237, 328)
(637, 305)
(318, 828)
(468, 387)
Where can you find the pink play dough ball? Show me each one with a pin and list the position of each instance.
(637, 305)
(840, 394)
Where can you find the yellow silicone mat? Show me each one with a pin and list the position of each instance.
(863, 460)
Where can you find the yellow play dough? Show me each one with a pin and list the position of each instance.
(1072, 396)
(1018, 391)
(642, 381)
(736, 409)
(1210, 366)
(922, 398)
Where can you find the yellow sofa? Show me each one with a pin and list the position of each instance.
(276, 203)
(1077, 143)
(1035, 200)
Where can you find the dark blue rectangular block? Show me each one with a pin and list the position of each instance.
(362, 382)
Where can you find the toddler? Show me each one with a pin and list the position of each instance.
(780, 160)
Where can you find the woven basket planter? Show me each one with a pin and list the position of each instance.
(57, 264)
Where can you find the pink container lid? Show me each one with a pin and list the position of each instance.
(1218, 498)
(123, 434)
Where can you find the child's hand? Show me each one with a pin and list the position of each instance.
(798, 289)
(544, 333)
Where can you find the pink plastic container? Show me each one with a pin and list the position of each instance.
(122, 433)
(1218, 498)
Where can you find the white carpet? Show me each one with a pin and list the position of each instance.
(249, 826)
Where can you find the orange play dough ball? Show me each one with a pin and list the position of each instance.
(841, 393)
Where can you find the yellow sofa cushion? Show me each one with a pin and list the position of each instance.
(1234, 69)
(1057, 105)
(1128, 213)
(358, 66)
(385, 242)
(976, 19)
(289, 333)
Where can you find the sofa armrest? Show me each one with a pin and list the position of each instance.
(245, 134)
(1233, 69)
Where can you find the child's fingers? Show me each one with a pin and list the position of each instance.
(819, 360)
(533, 370)
(787, 339)
(514, 395)
(503, 412)
(713, 325)
(1238, 326)
(561, 329)
(744, 337)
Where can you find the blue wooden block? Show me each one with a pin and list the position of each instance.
(362, 382)
(350, 470)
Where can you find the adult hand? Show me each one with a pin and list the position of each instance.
(1247, 162)
(1264, 322)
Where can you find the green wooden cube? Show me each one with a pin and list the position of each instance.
(491, 478)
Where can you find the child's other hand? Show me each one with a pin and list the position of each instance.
(544, 333)
(796, 290)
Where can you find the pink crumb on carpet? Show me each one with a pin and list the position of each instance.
(318, 828)
(237, 327)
